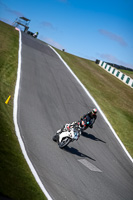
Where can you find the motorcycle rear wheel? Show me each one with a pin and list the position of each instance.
(65, 141)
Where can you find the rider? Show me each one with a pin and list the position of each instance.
(90, 118)
(35, 34)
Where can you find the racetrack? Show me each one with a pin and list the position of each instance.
(93, 168)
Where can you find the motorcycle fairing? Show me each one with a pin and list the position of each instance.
(66, 134)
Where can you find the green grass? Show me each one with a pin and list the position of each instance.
(16, 179)
(113, 96)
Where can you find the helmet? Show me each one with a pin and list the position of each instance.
(94, 111)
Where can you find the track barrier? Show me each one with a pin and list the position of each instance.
(118, 74)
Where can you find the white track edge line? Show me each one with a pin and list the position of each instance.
(122, 145)
(16, 123)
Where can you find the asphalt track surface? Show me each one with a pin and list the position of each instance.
(93, 168)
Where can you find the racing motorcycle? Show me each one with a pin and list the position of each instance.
(84, 123)
(69, 133)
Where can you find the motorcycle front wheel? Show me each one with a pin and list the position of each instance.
(65, 141)
(55, 138)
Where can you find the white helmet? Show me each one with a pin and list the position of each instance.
(94, 111)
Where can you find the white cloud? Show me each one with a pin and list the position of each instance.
(14, 12)
(113, 36)
(115, 60)
(47, 24)
(51, 42)
(6, 20)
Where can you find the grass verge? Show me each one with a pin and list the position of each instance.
(16, 179)
(113, 96)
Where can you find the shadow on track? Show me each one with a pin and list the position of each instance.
(76, 152)
(92, 137)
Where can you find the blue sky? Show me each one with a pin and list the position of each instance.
(89, 29)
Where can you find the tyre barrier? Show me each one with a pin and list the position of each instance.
(118, 74)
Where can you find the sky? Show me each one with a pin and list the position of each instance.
(89, 29)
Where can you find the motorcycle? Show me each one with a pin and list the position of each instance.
(35, 35)
(69, 133)
(84, 123)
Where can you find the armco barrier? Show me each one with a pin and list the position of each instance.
(118, 74)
